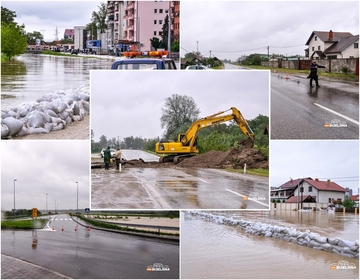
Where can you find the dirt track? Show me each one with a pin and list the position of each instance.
(233, 158)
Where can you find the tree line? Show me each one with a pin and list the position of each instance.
(178, 113)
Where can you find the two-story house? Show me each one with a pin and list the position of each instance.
(307, 189)
(332, 45)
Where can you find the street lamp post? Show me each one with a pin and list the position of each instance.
(77, 197)
(46, 204)
(14, 196)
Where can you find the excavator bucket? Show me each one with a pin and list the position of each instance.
(247, 143)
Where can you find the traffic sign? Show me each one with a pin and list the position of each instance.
(87, 210)
(34, 212)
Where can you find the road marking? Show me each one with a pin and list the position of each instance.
(203, 180)
(267, 205)
(336, 113)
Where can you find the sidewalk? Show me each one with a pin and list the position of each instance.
(13, 268)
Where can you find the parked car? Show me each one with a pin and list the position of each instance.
(144, 64)
(112, 152)
(197, 67)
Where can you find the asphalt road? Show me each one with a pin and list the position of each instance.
(175, 188)
(301, 112)
(91, 254)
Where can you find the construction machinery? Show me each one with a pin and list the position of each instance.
(186, 144)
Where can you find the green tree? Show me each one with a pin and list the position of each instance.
(7, 16)
(178, 110)
(348, 203)
(165, 32)
(32, 36)
(155, 43)
(99, 18)
(103, 141)
(92, 29)
(13, 40)
(175, 46)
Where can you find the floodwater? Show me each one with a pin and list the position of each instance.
(31, 76)
(210, 250)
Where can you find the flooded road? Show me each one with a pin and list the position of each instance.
(211, 250)
(31, 76)
(94, 254)
(176, 188)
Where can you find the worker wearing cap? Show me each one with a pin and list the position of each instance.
(313, 73)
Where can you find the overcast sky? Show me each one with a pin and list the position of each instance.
(128, 103)
(49, 15)
(231, 29)
(44, 167)
(332, 160)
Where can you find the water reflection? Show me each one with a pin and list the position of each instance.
(210, 250)
(29, 76)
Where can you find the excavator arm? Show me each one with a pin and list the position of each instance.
(186, 143)
(189, 137)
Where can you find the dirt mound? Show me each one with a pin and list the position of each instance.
(232, 158)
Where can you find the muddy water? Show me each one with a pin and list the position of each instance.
(30, 76)
(210, 250)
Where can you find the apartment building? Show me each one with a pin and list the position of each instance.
(132, 24)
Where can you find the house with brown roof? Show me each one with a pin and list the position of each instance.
(332, 45)
(69, 34)
(309, 189)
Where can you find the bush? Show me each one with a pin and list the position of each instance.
(345, 70)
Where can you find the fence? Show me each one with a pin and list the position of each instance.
(341, 65)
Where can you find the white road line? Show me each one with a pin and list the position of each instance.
(267, 205)
(203, 180)
(336, 113)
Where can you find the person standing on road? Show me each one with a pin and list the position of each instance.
(117, 158)
(107, 157)
(313, 73)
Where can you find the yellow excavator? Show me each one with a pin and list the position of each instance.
(186, 144)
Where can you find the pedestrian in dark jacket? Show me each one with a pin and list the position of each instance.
(107, 157)
(313, 73)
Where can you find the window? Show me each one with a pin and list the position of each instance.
(315, 38)
(155, 11)
(356, 45)
(155, 21)
(329, 200)
(154, 33)
(313, 48)
(160, 33)
(160, 21)
(160, 11)
(319, 48)
(310, 188)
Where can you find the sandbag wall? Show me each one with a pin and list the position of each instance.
(49, 113)
(307, 238)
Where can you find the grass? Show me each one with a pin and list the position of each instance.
(259, 171)
(24, 224)
(57, 53)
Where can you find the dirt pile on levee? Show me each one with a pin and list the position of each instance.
(232, 158)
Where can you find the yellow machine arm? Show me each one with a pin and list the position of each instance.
(186, 142)
(188, 139)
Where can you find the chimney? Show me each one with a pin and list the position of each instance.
(328, 183)
(331, 35)
(316, 179)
